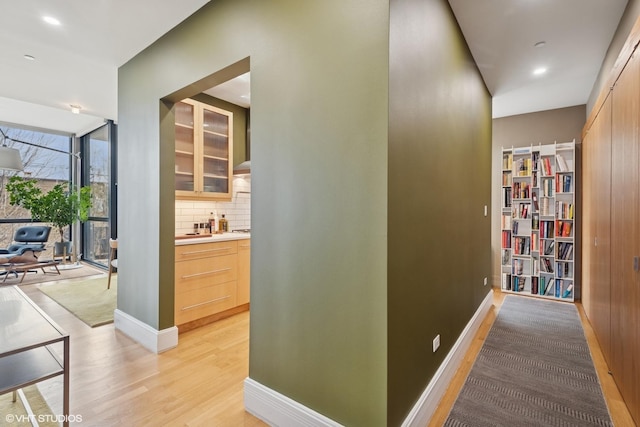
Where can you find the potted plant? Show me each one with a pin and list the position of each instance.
(59, 206)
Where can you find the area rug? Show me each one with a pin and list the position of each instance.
(89, 299)
(51, 276)
(14, 414)
(534, 369)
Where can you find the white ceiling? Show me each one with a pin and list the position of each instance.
(76, 62)
(501, 35)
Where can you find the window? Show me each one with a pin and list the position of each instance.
(46, 166)
(98, 169)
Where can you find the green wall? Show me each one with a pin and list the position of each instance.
(439, 182)
(370, 169)
(319, 132)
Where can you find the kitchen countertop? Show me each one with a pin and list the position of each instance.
(208, 238)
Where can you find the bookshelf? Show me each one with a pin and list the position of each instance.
(537, 220)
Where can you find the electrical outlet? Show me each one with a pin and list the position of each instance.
(485, 281)
(436, 343)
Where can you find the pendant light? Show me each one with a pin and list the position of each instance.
(10, 159)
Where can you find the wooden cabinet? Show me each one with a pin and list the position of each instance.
(612, 229)
(211, 279)
(596, 233)
(625, 235)
(203, 151)
(244, 271)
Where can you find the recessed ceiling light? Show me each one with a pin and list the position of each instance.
(539, 71)
(540, 44)
(30, 57)
(51, 20)
(75, 109)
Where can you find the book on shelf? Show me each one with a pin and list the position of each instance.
(507, 161)
(535, 221)
(547, 187)
(506, 257)
(523, 166)
(545, 166)
(546, 229)
(565, 251)
(568, 290)
(506, 239)
(563, 183)
(549, 289)
(506, 197)
(534, 198)
(522, 245)
(506, 179)
(535, 158)
(548, 247)
(506, 281)
(564, 210)
(505, 222)
(521, 190)
(521, 211)
(562, 163)
(563, 228)
(519, 283)
(534, 285)
(518, 266)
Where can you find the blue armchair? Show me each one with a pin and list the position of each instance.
(29, 238)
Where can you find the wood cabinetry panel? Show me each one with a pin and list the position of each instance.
(244, 270)
(596, 297)
(625, 235)
(205, 250)
(198, 273)
(211, 281)
(197, 303)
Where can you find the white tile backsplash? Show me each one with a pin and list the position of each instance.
(237, 211)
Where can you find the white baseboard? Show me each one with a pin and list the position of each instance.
(277, 409)
(425, 407)
(152, 339)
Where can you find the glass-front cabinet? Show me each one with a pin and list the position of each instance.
(203, 147)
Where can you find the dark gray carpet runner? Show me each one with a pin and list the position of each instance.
(534, 369)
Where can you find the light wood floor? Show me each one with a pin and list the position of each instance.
(115, 381)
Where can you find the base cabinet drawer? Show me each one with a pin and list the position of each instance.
(198, 273)
(205, 250)
(194, 304)
(211, 281)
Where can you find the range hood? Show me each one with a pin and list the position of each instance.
(244, 168)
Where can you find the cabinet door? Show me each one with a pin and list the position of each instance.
(244, 271)
(625, 235)
(217, 153)
(185, 148)
(203, 151)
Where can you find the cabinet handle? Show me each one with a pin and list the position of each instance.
(636, 263)
(188, 276)
(245, 246)
(204, 303)
(207, 250)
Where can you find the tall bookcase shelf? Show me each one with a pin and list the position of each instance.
(537, 220)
